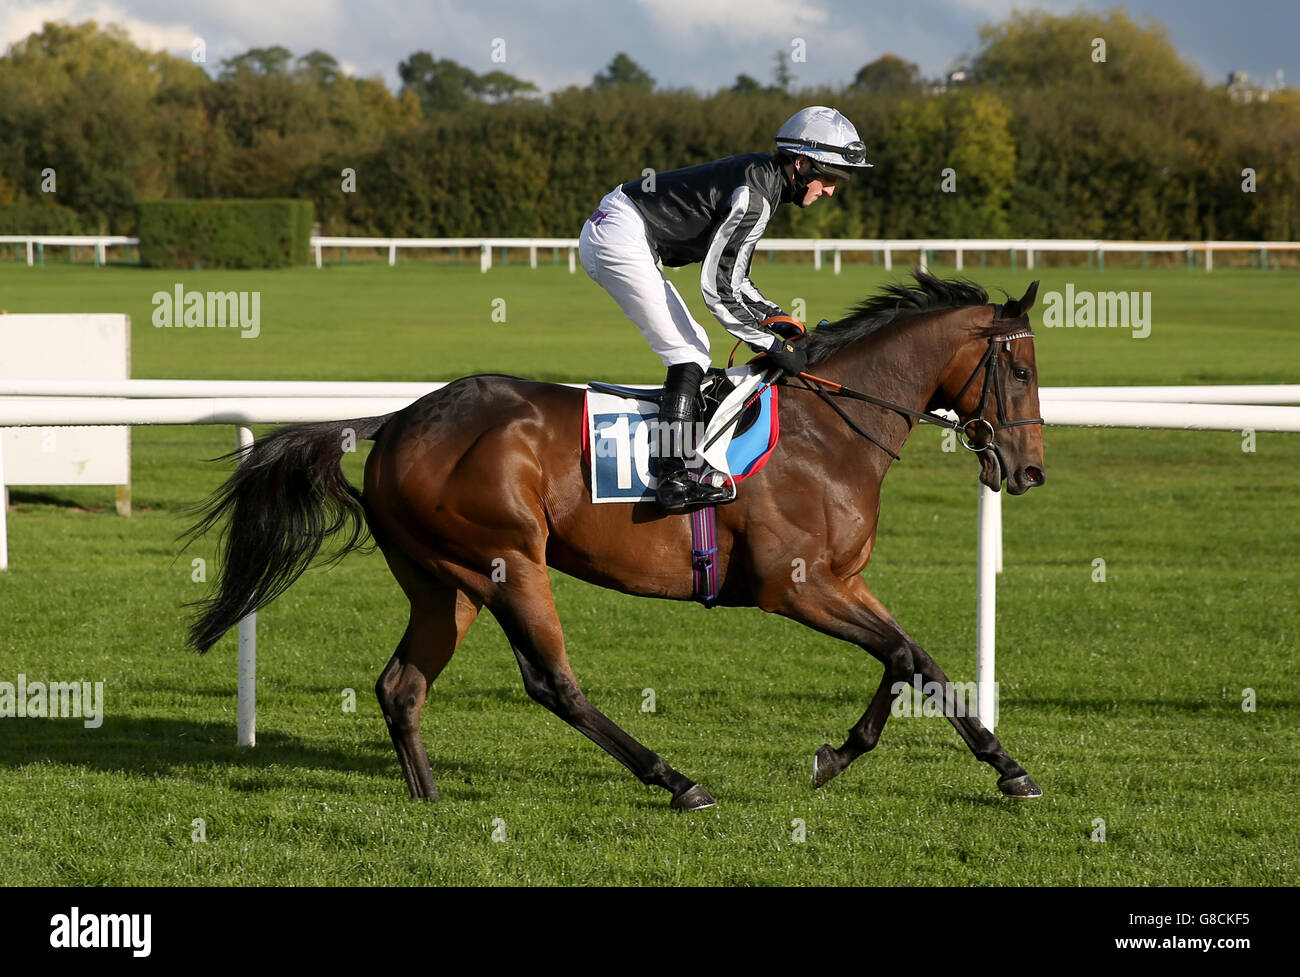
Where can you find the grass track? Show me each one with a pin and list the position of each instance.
(1122, 699)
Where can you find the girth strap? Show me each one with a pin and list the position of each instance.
(704, 554)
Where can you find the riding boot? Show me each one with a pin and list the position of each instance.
(676, 444)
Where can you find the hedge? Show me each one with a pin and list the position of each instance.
(224, 233)
(36, 216)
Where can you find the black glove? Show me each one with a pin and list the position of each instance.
(788, 357)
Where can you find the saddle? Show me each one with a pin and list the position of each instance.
(739, 414)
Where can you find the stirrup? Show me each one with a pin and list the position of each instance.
(678, 491)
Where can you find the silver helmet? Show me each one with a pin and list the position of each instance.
(826, 137)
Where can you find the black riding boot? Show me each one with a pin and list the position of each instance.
(675, 440)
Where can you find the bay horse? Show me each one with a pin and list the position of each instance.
(473, 491)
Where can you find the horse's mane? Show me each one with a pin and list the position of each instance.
(896, 302)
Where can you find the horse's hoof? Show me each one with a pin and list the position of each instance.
(1021, 786)
(825, 769)
(693, 799)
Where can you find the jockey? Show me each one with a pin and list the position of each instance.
(713, 213)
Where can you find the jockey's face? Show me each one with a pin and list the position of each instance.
(820, 186)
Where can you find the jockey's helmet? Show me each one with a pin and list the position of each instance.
(826, 138)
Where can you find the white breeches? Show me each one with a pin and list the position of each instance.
(615, 251)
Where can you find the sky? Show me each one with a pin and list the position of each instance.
(702, 44)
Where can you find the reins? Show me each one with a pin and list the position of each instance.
(827, 390)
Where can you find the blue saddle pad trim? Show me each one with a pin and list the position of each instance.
(754, 443)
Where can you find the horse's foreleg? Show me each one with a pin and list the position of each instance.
(1013, 781)
(829, 762)
(526, 612)
(847, 609)
(440, 616)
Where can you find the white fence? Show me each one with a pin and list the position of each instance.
(36, 243)
(483, 245)
(243, 403)
(923, 248)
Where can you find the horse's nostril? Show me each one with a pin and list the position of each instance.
(1035, 475)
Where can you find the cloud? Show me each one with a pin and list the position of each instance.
(297, 24)
(21, 19)
(735, 20)
(172, 25)
(996, 10)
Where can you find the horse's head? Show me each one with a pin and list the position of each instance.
(992, 385)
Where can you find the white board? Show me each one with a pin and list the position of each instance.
(66, 347)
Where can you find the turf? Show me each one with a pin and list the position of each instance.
(1122, 698)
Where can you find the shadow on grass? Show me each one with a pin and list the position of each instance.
(206, 751)
(162, 746)
(19, 497)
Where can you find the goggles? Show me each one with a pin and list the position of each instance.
(855, 153)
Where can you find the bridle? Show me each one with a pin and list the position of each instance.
(992, 383)
(969, 432)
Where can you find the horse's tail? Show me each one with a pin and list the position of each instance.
(288, 494)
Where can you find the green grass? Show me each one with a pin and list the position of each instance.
(1122, 699)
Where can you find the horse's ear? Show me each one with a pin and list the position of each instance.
(1027, 301)
(1015, 308)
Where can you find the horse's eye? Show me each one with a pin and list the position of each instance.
(1021, 373)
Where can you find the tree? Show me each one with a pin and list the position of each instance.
(440, 84)
(498, 86)
(782, 76)
(747, 85)
(444, 84)
(1098, 149)
(259, 60)
(318, 68)
(888, 75)
(623, 72)
(1041, 50)
(110, 119)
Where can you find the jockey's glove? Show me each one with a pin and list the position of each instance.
(788, 356)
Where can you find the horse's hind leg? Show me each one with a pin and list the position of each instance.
(526, 612)
(440, 616)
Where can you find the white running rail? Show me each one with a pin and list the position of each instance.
(242, 403)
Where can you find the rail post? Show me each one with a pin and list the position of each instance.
(986, 582)
(246, 710)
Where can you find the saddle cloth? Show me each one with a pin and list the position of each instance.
(616, 438)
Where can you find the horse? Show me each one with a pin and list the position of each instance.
(474, 490)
